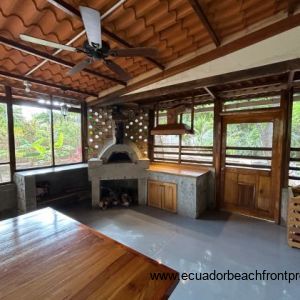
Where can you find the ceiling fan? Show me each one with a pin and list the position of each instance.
(94, 47)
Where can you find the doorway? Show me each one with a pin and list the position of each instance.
(251, 163)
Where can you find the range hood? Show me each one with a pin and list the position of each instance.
(172, 129)
(174, 124)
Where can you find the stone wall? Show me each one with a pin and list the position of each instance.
(101, 129)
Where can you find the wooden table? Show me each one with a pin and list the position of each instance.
(47, 255)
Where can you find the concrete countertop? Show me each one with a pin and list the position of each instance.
(51, 170)
(179, 170)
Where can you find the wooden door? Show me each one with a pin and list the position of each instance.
(169, 201)
(155, 194)
(250, 174)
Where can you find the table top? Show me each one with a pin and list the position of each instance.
(47, 255)
(179, 170)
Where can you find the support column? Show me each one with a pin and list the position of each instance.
(286, 103)
(84, 130)
(11, 137)
(150, 136)
(217, 151)
(142, 191)
(96, 193)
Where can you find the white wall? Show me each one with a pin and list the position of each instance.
(278, 48)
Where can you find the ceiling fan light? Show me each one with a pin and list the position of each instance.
(27, 86)
(64, 110)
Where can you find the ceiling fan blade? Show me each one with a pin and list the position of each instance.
(31, 39)
(78, 67)
(139, 51)
(91, 20)
(122, 74)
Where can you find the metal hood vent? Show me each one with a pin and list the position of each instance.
(174, 124)
(171, 129)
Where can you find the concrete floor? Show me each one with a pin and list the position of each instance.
(217, 241)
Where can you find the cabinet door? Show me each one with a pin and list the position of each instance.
(169, 201)
(154, 194)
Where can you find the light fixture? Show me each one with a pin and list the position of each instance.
(27, 86)
(64, 110)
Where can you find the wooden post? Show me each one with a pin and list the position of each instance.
(192, 116)
(217, 148)
(180, 143)
(11, 136)
(286, 104)
(151, 116)
(84, 132)
(157, 115)
(52, 132)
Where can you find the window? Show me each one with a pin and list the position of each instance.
(194, 148)
(32, 129)
(33, 137)
(198, 147)
(5, 175)
(67, 138)
(294, 172)
(249, 145)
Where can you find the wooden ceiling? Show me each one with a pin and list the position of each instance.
(177, 28)
(256, 82)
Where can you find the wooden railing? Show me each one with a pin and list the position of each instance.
(294, 159)
(239, 160)
(201, 155)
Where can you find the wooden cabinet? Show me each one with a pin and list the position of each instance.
(248, 191)
(154, 194)
(162, 195)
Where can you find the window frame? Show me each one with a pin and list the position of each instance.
(10, 101)
(53, 140)
(183, 148)
(9, 162)
(295, 98)
(51, 108)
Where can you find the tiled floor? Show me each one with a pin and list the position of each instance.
(218, 242)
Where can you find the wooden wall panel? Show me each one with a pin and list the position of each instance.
(264, 195)
(169, 202)
(231, 194)
(154, 194)
(247, 178)
(246, 195)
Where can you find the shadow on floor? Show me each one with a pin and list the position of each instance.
(83, 212)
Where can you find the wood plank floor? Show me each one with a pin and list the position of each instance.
(47, 255)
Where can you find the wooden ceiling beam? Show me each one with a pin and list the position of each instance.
(210, 92)
(204, 20)
(292, 5)
(198, 85)
(68, 9)
(65, 7)
(44, 83)
(291, 76)
(225, 49)
(35, 95)
(255, 90)
(54, 59)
